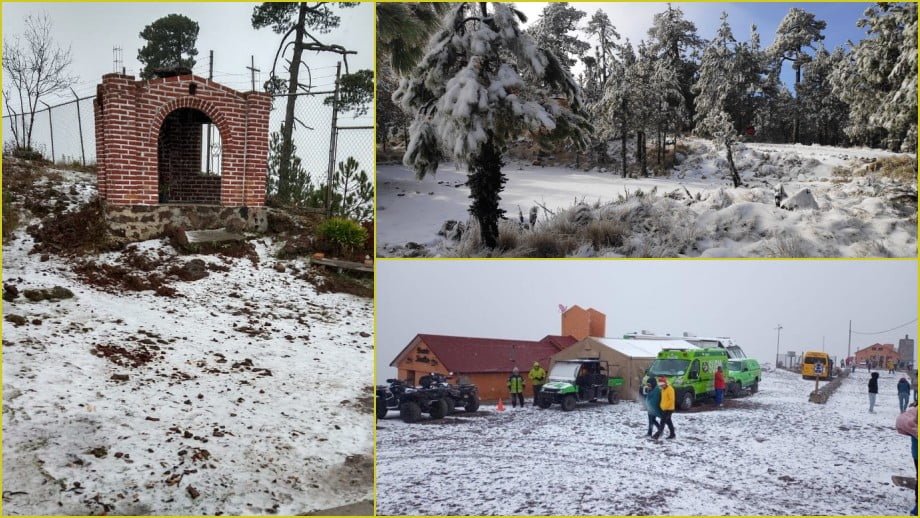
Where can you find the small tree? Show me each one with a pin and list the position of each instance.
(301, 189)
(716, 94)
(469, 101)
(36, 67)
(170, 44)
(351, 192)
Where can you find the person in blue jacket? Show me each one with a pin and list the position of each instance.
(653, 405)
(903, 393)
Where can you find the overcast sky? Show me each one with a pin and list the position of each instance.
(632, 20)
(745, 300)
(92, 29)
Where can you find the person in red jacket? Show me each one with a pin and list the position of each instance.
(719, 386)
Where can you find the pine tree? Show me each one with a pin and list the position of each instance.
(602, 28)
(470, 101)
(824, 114)
(553, 31)
(302, 21)
(719, 86)
(675, 42)
(878, 78)
(616, 113)
(170, 44)
(797, 31)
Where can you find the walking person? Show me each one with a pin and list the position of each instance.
(903, 393)
(516, 387)
(667, 408)
(873, 391)
(653, 406)
(537, 378)
(719, 385)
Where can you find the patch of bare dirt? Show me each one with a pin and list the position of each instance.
(74, 233)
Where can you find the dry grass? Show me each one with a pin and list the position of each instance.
(898, 168)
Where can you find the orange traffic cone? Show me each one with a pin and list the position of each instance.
(501, 406)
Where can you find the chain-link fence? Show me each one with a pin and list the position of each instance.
(63, 133)
(323, 140)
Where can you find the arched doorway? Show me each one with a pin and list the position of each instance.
(189, 157)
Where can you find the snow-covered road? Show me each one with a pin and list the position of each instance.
(773, 453)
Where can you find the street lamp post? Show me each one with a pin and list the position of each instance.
(778, 329)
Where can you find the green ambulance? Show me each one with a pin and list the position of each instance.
(690, 371)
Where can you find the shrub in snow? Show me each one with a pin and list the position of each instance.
(344, 235)
(482, 84)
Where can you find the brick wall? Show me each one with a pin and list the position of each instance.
(130, 115)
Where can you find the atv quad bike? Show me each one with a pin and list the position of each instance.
(574, 381)
(434, 397)
(463, 396)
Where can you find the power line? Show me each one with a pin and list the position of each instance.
(885, 331)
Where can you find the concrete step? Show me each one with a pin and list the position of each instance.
(212, 236)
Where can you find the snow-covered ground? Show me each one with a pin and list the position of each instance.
(252, 395)
(854, 218)
(773, 453)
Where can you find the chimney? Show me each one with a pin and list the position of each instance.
(580, 323)
(597, 323)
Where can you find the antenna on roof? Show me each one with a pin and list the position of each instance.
(562, 308)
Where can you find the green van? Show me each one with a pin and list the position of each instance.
(690, 371)
(742, 375)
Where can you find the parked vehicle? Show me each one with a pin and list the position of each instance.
(742, 375)
(464, 395)
(733, 350)
(690, 371)
(434, 396)
(573, 381)
(810, 369)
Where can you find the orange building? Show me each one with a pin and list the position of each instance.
(487, 362)
(878, 355)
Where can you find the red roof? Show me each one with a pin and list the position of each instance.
(462, 354)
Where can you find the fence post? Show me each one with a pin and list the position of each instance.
(332, 140)
(79, 127)
(50, 129)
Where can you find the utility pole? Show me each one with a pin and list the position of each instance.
(849, 339)
(332, 140)
(252, 71)
(778, 329)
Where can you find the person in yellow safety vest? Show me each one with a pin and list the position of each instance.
(667, 408)
(537, 378)
(516, 387)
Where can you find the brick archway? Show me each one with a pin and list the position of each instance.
(129, 115)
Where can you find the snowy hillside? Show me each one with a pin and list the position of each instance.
(692, 212)
(773, 453)
(244, 392)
